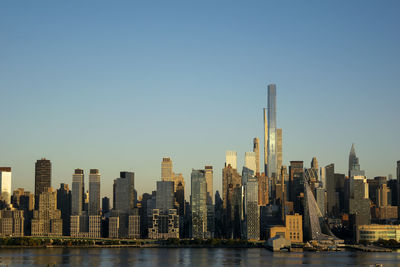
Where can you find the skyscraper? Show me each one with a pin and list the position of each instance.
(279, 158)
(250, 209)
(250, 161)
(398, 185)
(330, 188)
(94, 192)
(272, 159)
(124, 192)
(165, 196)
(198, 204)
(354, 164)
(265, 141)
(77, 192)
(231, 159)
(209, 182)
(166, 169)
(256, 149)
(231, 188)
(42, 177)
(5, 184)
(64, 205)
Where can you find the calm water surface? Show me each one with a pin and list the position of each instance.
(187, 257)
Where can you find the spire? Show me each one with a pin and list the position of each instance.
(352, 150)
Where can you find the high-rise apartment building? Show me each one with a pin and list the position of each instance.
(250, 209)
(5, 184)
(231, 159)
(296, 182)
(279, 157)
(47, 218)
(265, 113)
(199, 204)
(11, 222)
(77, 198)
(272, 149)
(330, 189)
(231, 188)
(250, 161)
(64, 205)
(209, 182)
(124, 192)
(94, 192)
(256, 149)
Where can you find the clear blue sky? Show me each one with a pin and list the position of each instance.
(117, 85)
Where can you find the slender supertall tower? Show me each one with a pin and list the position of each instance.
(265, 141)
(271, 159)
(256, 149)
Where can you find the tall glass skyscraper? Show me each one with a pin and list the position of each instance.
(272, 160)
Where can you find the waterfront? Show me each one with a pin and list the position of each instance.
(186, 257)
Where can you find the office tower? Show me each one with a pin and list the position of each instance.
(231, 159)
(165, 195)
(279, 158)
(265, 141)
(256, 149)
(167, 173)
(272, 159)
(199, 204)
(166, 169)
(209, 182)
(250, 161)
(5, 184)
(263, 195)
(180, 200)
(124, 192)
(231, 189)
(392, 184)
(42, 178)
(373, 185)
(359, 203)
(124, 206)
(64, 205)
(250, 210)
(354, 164)
(105, 205)
(322, 177)
(383, 196)
(330, 189)
(77, 198)
(218, 214)
(47, 218)
(296, 182)
(94, 192)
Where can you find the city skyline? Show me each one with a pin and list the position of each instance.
(85, 95)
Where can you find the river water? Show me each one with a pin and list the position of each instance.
(193, 257)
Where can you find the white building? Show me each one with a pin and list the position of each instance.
(250, 161)
(231, 159)
(5, 184)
